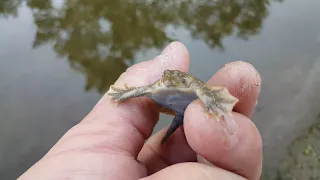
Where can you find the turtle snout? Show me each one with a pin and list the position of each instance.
(169, 83)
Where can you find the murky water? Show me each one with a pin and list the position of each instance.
(58, 57)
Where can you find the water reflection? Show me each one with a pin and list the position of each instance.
(9, 8)
(101, 38)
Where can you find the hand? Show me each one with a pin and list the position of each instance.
(109, 142)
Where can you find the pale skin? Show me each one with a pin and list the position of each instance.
(109, 142)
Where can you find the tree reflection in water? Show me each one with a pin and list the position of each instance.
(9, 8)
(100, 38)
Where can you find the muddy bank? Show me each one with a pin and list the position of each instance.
(293, 116)
(303, 159)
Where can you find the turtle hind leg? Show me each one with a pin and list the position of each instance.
(176, 122)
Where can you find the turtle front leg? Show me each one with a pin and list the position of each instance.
(120, 94)
(217, 100)
(176, 122)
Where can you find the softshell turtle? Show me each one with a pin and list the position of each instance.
(174, 91)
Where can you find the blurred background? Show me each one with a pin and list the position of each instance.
(58, 57)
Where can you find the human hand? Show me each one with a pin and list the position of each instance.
(109, 142)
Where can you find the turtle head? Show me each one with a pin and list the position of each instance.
(176, 79)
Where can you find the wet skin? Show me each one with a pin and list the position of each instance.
(174, 91)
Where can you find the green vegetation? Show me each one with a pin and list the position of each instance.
(303, 159)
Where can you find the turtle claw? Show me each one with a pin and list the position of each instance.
(112, 99)
(126, 92)
(118, 93)
(210, 114)
(128, 87)
(119, 89)
(115, 88)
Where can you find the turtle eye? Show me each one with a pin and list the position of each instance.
(166, 72)
(184, 81)
(176, 73)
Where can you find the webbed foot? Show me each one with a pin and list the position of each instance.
(118, 94)
(218, 101)
(176, 122)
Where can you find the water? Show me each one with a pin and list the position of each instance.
(58, 57)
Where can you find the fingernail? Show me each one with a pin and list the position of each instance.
(168, 49)
(166, 56)
(174, 55)
(231, 128)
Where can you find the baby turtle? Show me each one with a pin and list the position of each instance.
(174, 91)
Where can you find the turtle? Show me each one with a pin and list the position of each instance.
(172, 94)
